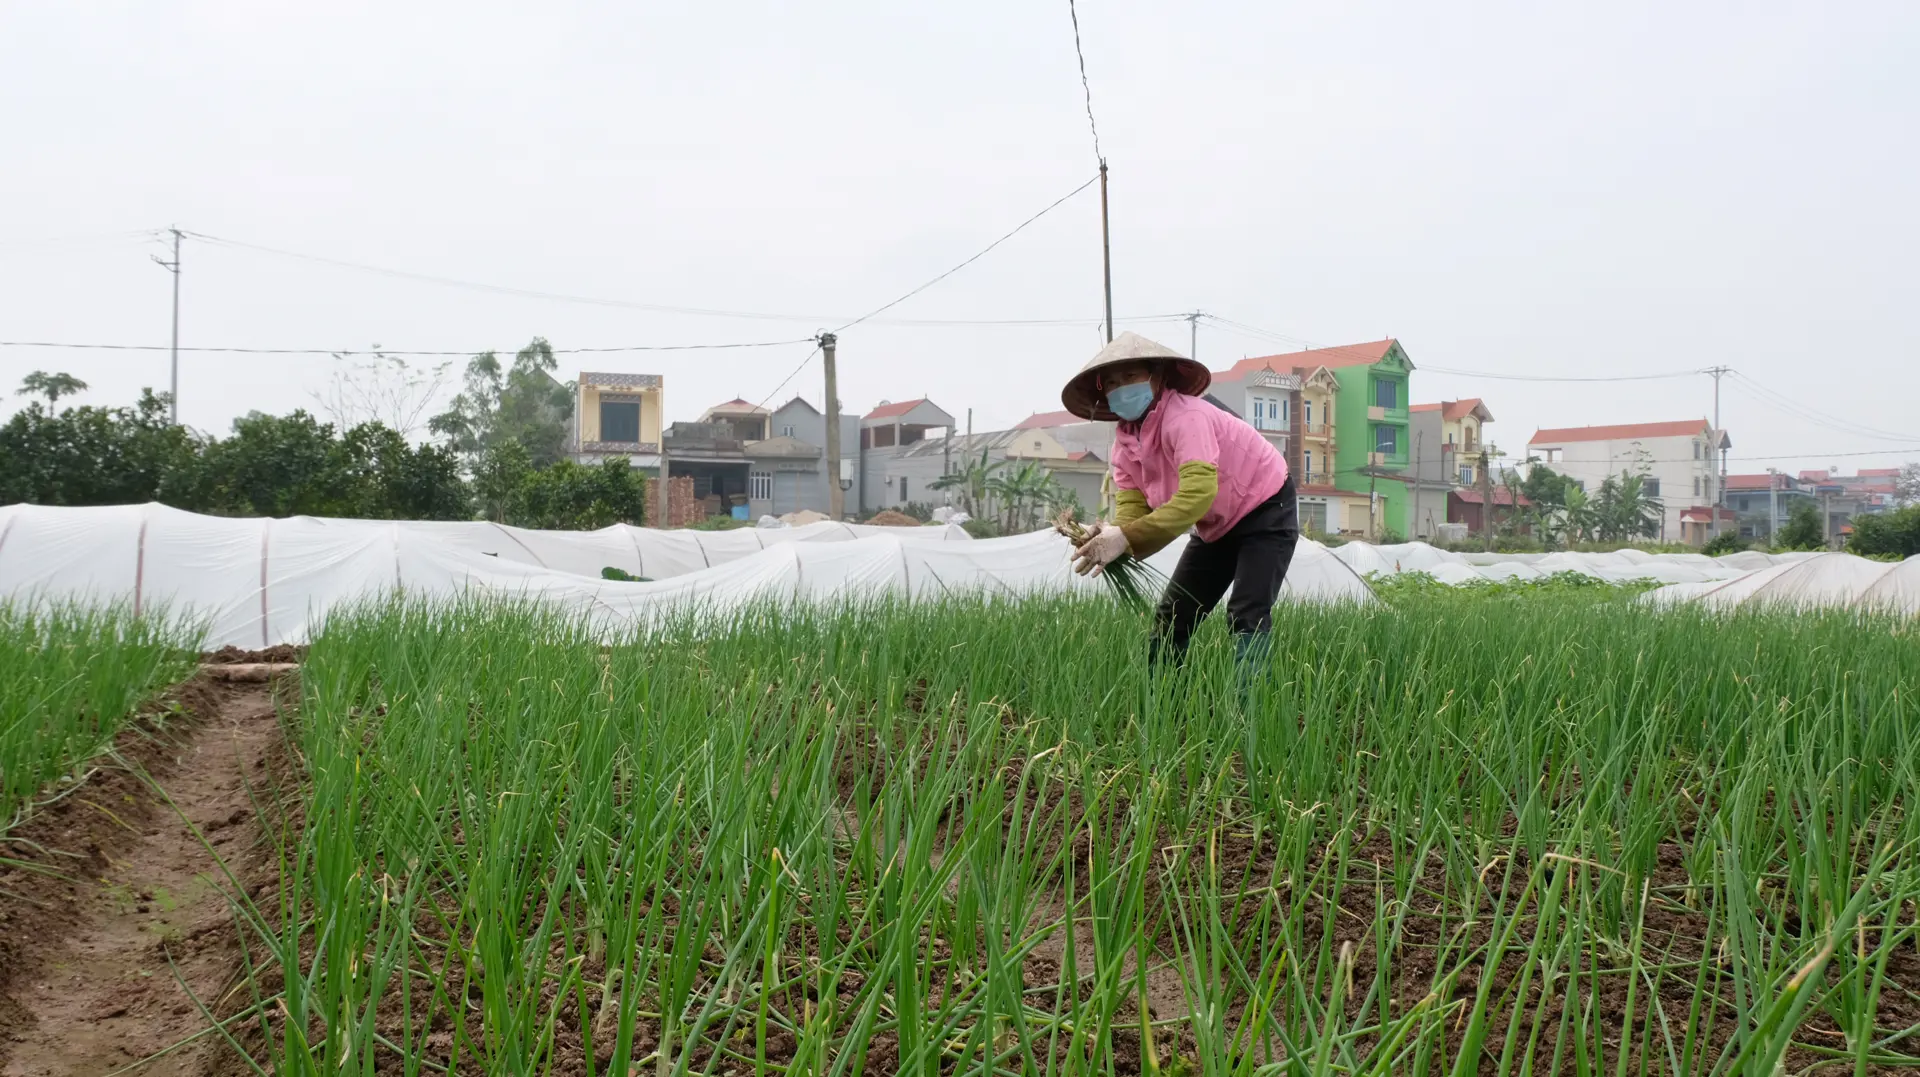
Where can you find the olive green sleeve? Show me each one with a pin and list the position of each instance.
(1128, 506)
(1148, 534)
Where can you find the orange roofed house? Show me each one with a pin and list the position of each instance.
(1680, 460)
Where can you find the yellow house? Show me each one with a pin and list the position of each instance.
(1458, 437)
(618, 415)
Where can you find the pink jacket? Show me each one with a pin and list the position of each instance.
(1181, 429)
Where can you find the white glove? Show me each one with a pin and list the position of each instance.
(1103, 547)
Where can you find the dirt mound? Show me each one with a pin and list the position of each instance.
(234, 656)
(890, 518)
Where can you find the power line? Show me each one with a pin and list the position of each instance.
(1085, 87)
(790, 377)
(395, 351)
(665, 308)
(1800, 408)
(981, 253)
(1357, 352)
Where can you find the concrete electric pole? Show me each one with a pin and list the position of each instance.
(836, 494)
(1716, 475)
(173, 392)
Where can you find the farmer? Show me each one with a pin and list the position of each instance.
(1180, 462)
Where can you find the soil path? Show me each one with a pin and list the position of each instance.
(95, 991)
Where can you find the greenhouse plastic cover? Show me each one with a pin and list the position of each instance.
(261, 582)
(1813, 581)
(1618, 566)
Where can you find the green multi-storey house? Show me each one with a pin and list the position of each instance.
(1361, 448)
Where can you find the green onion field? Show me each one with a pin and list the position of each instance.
(1444, 836)
(69, 677)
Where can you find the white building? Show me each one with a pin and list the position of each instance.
(1680, 461)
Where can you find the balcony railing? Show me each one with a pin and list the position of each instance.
(1267, 424)
(1314, 478)
(1317, 430)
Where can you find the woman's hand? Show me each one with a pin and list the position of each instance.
(1103, 547)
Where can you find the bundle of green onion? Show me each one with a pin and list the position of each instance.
(1134, 582)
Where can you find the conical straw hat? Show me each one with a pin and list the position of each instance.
(1083, 395)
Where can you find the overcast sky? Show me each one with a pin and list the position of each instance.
(1523, 189)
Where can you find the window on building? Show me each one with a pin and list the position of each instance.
(1308, 405)
(1259, 409)
(786, 431)
(1650, 486)
(1696, 486)
(760, 486)
(1466, 475)
(1306, 464)
(1696, 450)
(619, 421)
(1286, 410)
(1385, 439)
(903, 488)
(1386, 393)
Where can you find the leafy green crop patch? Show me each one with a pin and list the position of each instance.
(1551, 836)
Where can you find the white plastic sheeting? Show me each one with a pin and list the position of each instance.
(1811, 581)
(260, 582)
(1465, 568)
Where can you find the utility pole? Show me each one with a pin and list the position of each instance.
(1773, 505)
(1106, 248)
(173, 392)
(836, 497)
(1486, 493)
(1716, 477)
(1419, 480)
(1193, 335)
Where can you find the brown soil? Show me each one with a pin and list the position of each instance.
(890, 518)
(93, 961)
(234, 656)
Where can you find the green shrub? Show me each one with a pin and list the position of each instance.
(1724, 543)
(1896, 533)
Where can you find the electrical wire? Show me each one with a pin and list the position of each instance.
(981, 253)
(1348, 350)
(1801, 409)
(707, 312)
(1085, 86)
(395, 351)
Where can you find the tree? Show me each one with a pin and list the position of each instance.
(51, 386)
(503, 468)
(1906, 488)
(1623, 510)
(295, 465)
(1802, 530)
(973, 482)
(1545, 487)
(1887, 534)
(383, 389)
(523, 402)
(579, 497)
(98, 456)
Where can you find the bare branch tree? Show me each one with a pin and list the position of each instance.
(381, 388)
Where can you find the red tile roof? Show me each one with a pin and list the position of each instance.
(1701, 514)
(1455, 410)
(1756, 482)
(1284, 363)
(1041, 419)
(888, 411)
(1879, 472)
(1813, 476)
(1621, 432)
(1501, 496)
(1083, 454)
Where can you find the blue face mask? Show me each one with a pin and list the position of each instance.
(1130, 401)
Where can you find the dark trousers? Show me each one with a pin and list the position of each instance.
(1252, 557)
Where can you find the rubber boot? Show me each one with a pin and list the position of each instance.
(1252, 653)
